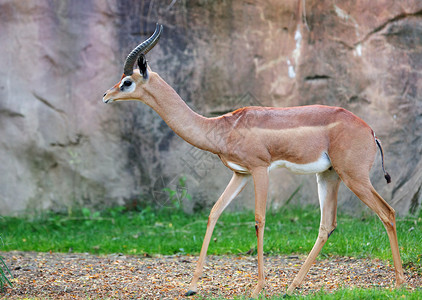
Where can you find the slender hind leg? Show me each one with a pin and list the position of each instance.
(235, 186)
(363, 189)
(328, 184)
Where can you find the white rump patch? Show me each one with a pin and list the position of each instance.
(318, 166)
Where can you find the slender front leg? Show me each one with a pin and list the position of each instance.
(328, 184)
(235, 186)
(260, 177)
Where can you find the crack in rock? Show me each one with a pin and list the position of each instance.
(47, 103)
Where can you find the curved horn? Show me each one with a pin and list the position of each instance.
(141, 48)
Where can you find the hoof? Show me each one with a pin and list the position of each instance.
(190, 293)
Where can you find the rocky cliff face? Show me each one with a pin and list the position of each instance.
(60, 146)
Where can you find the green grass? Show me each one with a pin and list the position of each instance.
(4, 275)
(380, 294)
(373, 294)
(170, 231)
(358, 293)
(149, 231)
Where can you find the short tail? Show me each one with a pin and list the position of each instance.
(386, 175)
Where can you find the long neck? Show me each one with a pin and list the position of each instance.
(186, 123)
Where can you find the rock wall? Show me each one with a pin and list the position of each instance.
(61, 147)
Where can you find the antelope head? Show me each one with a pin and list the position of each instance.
(130, 85)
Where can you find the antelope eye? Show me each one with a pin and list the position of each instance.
(125, 84)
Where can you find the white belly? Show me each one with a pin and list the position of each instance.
(237, 168)
(318, 166)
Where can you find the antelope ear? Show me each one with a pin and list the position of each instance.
(143, 66)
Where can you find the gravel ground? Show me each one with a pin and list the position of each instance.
(86, 276)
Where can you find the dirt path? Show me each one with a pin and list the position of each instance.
(83, 276)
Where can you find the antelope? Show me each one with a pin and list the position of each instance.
(330, 142)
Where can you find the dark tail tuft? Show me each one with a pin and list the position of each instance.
(386, 175)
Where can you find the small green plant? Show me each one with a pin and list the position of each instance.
(177, 196)
(4, 273)
(89, 215)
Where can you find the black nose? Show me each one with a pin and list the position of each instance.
(104, 94)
